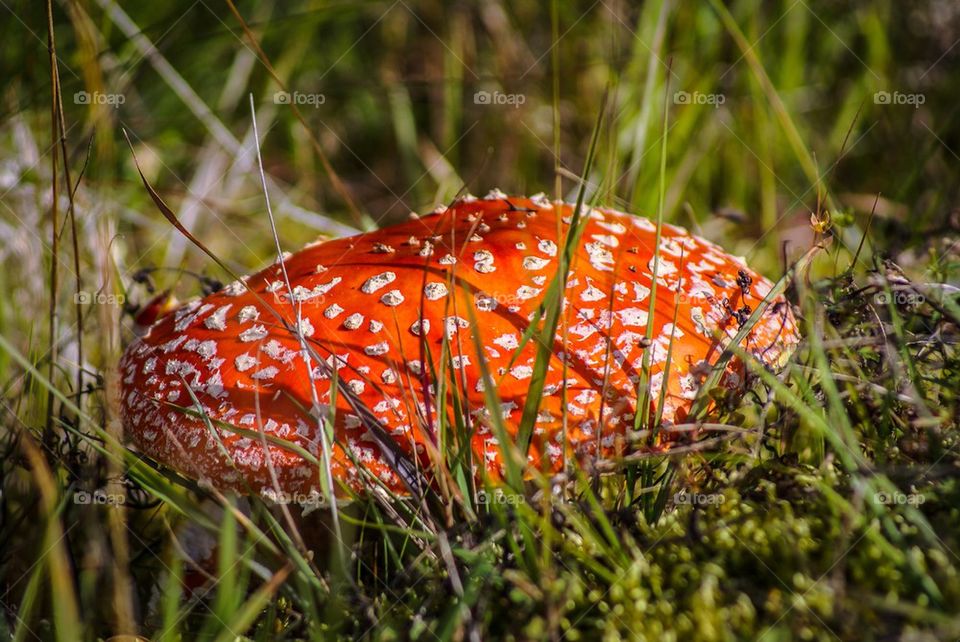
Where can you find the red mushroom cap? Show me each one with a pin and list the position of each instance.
(376, 305)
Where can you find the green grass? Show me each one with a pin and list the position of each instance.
(823, 504)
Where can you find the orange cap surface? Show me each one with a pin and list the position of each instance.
(377, 306)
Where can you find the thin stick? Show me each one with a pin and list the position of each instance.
(71, 191)
(54, 225)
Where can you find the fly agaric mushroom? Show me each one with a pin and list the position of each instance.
(380, 307)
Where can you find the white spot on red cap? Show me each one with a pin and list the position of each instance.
(435, 290)
(535, 263)
(275, 350)
(600, 257)
(592, 293)
(248, 313)
(392, 298)
(353, 321)
(255, 333)
(205, 349)
(483, 261)
(521, 372)
(235, 289)
(420, 327)
(453, 324)
(540, 200)
(305, 327)
(640, 292)
(301, 293)
(218, 320)
(663, 268)
(606, 239)
(525, 292)
(485, 302)
(642, 223)
(173, 344)
(508, 341)
(615, 227)
(377, 349)
(547, 246)
(374, 283)
(185, 315)
(632, 316)
(583, 330)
